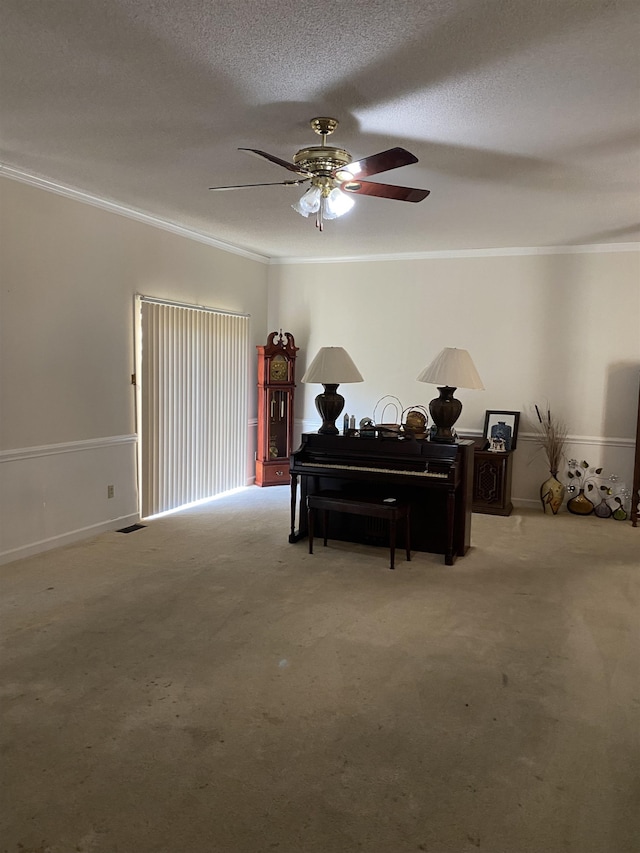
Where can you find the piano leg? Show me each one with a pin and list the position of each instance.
(310, 515)
(301, 532)
(451, 509)
(294, 494)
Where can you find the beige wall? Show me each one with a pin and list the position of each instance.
(562, 328)
(69, 272)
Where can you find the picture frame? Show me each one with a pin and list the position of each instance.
(511, 420)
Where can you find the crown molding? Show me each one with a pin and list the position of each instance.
(129, 212)
(446, 254)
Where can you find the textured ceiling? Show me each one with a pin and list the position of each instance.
(524, 114)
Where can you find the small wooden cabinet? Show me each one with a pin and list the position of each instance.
(492, 482)
(492, 474)
(276, 385)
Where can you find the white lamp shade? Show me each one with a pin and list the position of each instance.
(452, 367)
(332, 366)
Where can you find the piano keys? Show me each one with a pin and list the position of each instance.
(436, 479)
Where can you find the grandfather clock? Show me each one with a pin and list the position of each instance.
(276, 384)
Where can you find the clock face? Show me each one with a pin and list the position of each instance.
(278, 369)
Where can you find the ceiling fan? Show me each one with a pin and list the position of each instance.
(334, 177)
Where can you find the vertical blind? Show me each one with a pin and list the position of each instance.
(193, 404)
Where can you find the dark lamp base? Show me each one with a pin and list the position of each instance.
(445, 411)
(329, 406)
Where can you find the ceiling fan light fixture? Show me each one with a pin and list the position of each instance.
(337, 204)
(324, 203)
(335, 176)
(309, 203)
(347, 173)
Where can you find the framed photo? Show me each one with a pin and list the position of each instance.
(501, 430)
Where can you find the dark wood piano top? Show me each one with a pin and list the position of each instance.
(411, 447)
(387, 455)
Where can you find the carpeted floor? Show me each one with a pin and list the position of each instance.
(202, 686)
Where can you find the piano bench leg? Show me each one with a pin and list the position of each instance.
(392, 540)
(407, 534)
(392, 535)
(393, 513)
(310, 524)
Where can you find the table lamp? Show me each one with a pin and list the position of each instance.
(331, 367)
(451, 369)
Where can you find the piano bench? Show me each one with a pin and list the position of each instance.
(375, 508)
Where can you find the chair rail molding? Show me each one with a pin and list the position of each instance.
(55, 494)
(65, 447)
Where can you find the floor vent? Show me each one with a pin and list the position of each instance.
(132, 528)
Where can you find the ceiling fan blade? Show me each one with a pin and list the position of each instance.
(277, 160)
(384, 190)
(393, 158)
(270, 184)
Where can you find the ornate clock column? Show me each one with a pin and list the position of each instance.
(276, 384)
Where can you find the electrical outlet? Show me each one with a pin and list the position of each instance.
(110, 491)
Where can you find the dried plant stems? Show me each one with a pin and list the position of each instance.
(551, 437)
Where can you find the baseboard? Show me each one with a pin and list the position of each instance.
(526, 503)
(67, 538)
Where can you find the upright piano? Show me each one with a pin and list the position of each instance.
(435, 479)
